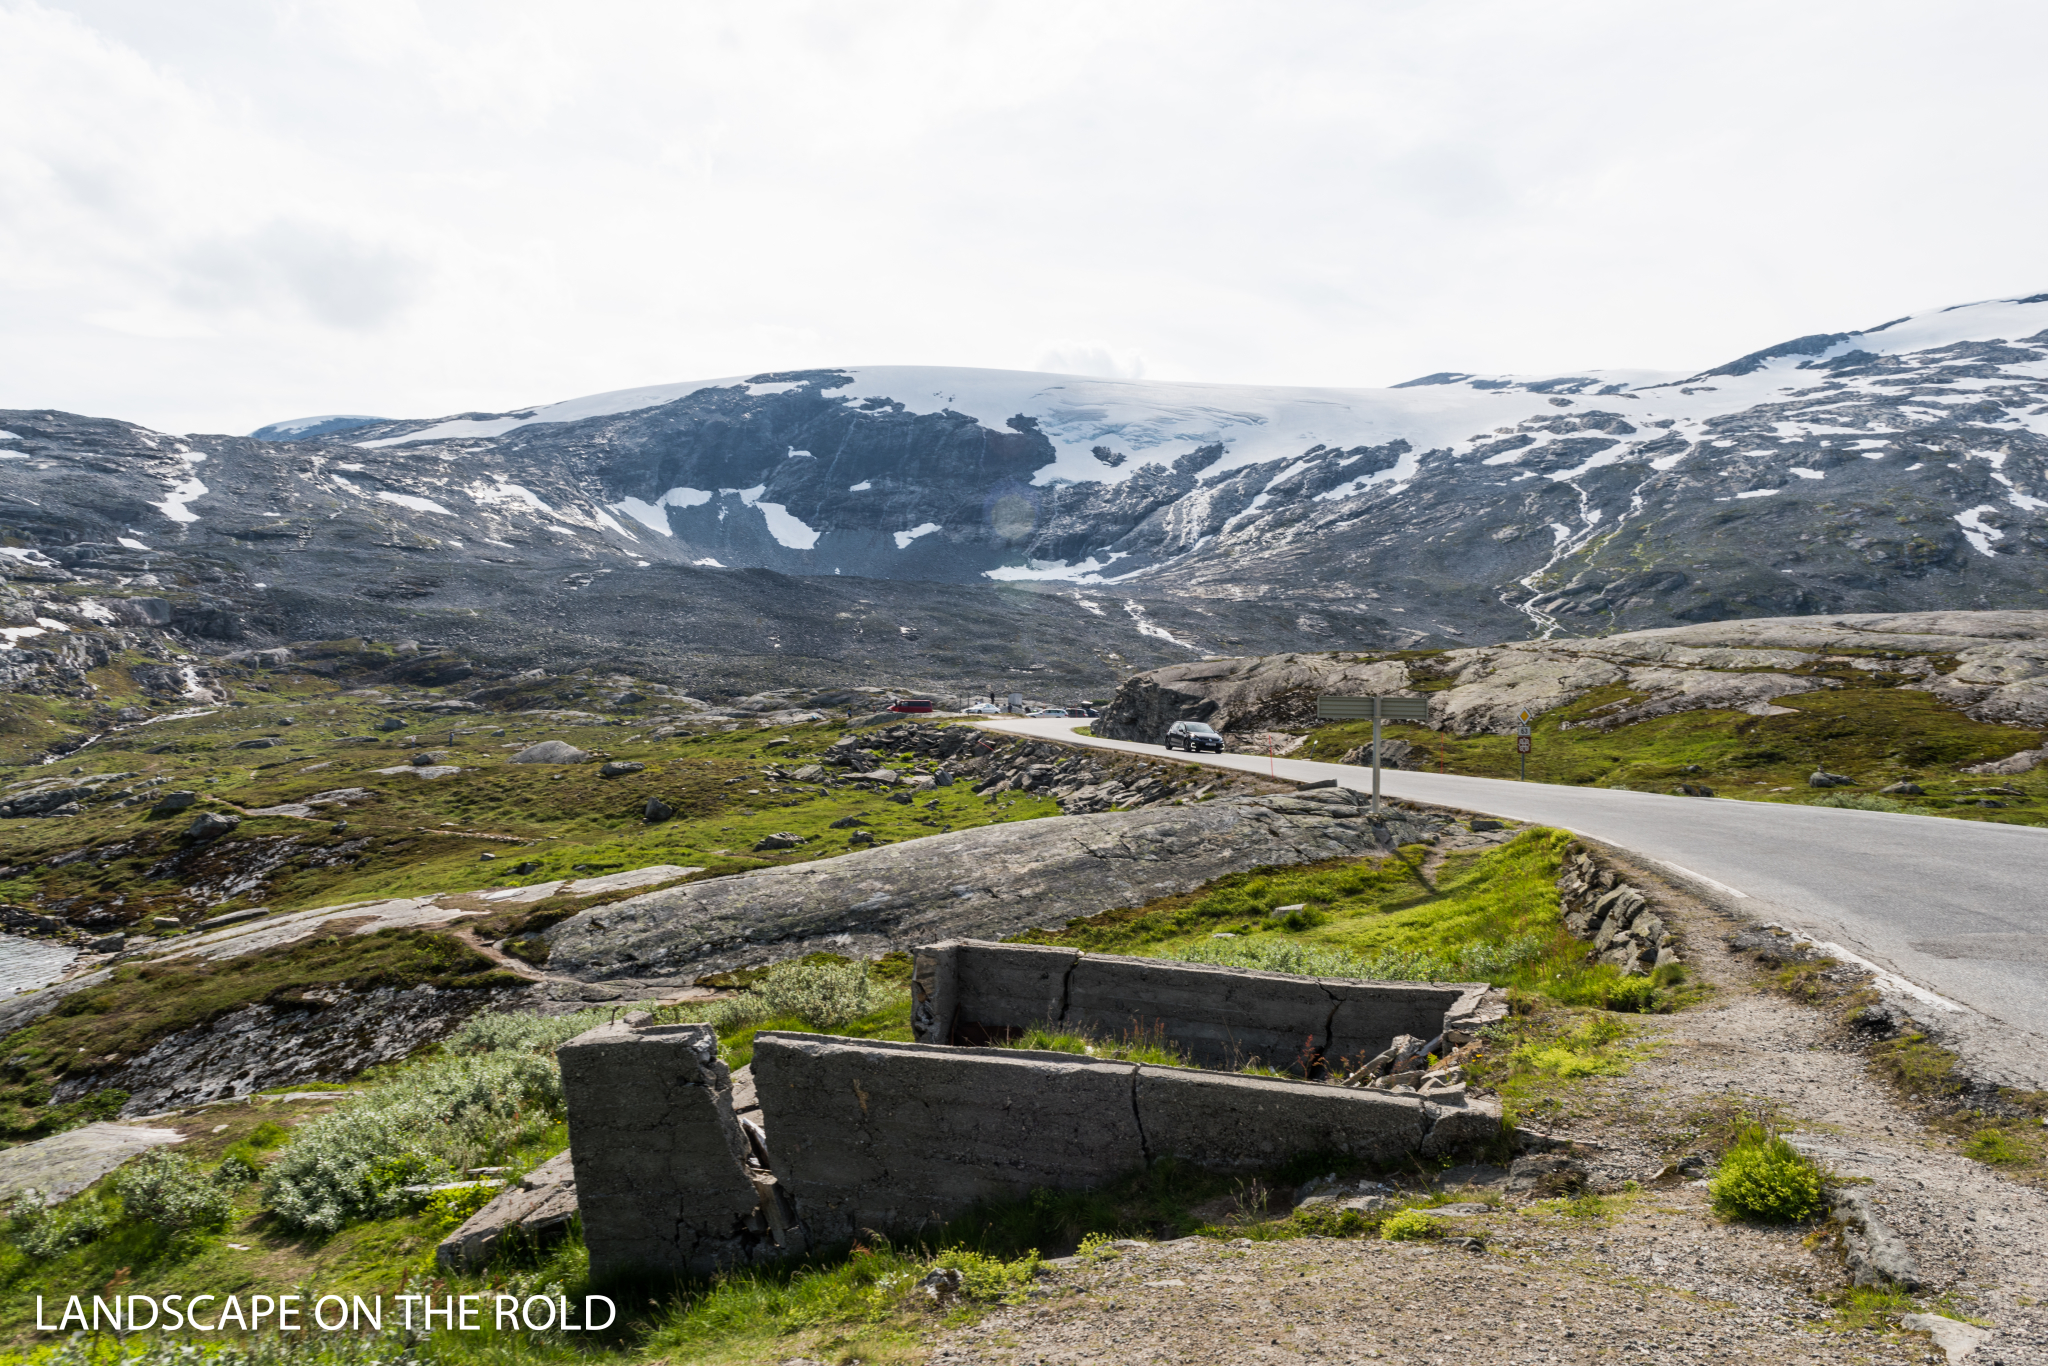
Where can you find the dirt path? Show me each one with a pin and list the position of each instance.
(1659, 1278)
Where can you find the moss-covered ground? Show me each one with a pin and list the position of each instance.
(1865, 727)
(122, 866)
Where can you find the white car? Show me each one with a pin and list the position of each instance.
(983, 709)
(1051, 711)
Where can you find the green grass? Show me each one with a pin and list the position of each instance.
(1868, 728)
(406, 842)
(1487, 915)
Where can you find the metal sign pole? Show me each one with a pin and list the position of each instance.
(1375, 755)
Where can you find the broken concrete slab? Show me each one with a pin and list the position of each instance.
(660, 1160)
(539, 1206)
(61, 1166)
(973, 991)
(1226, 1122)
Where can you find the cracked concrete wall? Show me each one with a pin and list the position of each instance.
(660, 1159)
(901, 1137)
(896, 1137)
(973, 991)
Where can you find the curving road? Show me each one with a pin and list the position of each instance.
(1957, 909)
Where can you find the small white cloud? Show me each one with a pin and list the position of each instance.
(1097, 358)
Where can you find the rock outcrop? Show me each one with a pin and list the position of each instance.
(986, 883)
(1991, 665)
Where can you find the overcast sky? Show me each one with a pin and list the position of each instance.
(219, 213)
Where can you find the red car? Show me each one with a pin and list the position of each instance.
(915, 704)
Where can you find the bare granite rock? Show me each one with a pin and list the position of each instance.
(986, 883)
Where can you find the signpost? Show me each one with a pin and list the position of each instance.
(1376, 709)
(1522, 745)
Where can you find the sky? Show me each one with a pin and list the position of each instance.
(221, 213)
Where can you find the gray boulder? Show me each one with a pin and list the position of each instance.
(619, 768)
(1822, 778)
(550, 752)
(1904, 789)
(656, 811)
(260, 743)
(211, 824)
(781, 839)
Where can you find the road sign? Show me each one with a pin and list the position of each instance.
(1522, 729)
(1522, 743)
(1360, 708)
(1375, 710)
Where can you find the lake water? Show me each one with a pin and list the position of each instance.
(26, 963)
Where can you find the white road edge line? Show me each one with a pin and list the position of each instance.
(1701, 878)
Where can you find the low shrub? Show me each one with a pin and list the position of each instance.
(164, 1189)
(445, 1209)
(823, 995)
(46, 1231)
(990, 1280)
(1482, 961)
(426, 1125)
(1327, 1221)
(1763, 1177)
(1409, 1224)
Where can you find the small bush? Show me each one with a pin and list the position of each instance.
(1765, 1178)
(448, 1208)
(45, 1231)
(1409, 1224)
(822, 995)
(990, 1280)
(1328, 1221)
(1631, 995)
(165, 1189)
(523, 1033)
(424, 1126)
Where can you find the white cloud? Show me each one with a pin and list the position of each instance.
(1091, 358)
(219, 213)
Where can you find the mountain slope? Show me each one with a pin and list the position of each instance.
(1087, 527)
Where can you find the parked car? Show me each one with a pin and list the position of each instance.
(1050, 711)
(913, 704)
(984, 709)
(1081, 710)
(1192, 736)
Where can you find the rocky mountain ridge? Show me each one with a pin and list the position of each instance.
(962, 526)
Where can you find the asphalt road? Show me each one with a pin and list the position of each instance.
(1958, 909)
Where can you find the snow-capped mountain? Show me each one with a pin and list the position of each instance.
(1896, 468)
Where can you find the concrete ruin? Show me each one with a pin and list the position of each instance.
(859, 1134)
(972, 991)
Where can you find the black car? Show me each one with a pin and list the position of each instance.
(1192, 736)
